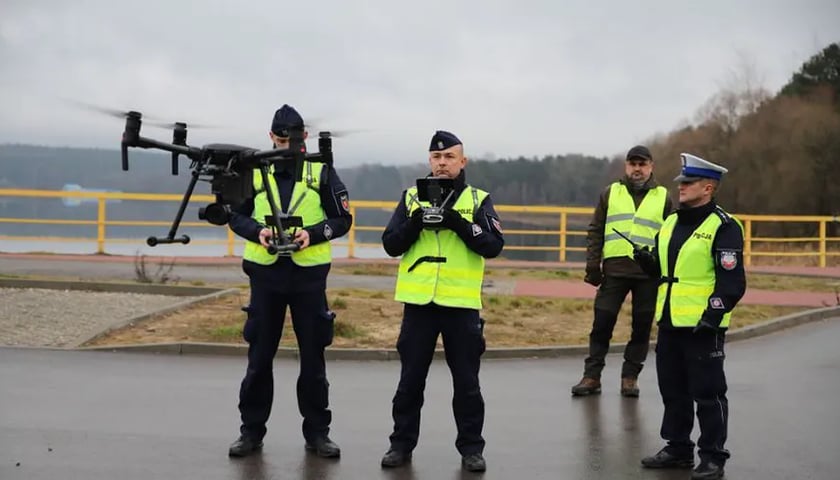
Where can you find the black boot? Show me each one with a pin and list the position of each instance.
(473, 462)
(395, 458)
(707, 470)
(244, 446)
(323, 447)
(664, 459)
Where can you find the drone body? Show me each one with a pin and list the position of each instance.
(229, 169)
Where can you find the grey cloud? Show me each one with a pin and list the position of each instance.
(511, 78)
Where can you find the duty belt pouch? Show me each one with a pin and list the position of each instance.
(326, 327)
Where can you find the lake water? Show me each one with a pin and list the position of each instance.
(139, 247)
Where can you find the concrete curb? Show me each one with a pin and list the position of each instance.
(93, 286)
(359, 354)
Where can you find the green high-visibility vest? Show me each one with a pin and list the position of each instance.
(640, 225)
(694, 272)
(455, 282)
(305, 203)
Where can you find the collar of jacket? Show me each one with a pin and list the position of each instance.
(460, 181)
(695, 215)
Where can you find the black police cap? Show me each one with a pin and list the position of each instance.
(286, 118)
(442, 140)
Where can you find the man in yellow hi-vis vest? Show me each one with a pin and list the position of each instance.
(636, 206)
(439, 281)
(698, 259)
(296, 281)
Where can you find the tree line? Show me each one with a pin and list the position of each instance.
(782, 150)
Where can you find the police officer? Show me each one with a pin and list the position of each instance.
(439, 281)
(698, 257)
(635, 206)
(297, 281)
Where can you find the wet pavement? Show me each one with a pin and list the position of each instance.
(96, 415)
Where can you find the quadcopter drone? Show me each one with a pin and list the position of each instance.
(229, 169)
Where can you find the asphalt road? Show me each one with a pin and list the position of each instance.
(96, 415)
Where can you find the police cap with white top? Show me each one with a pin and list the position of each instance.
(694, 168)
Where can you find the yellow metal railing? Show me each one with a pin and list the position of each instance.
(544, 216)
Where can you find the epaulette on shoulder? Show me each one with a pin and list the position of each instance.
(724, 217)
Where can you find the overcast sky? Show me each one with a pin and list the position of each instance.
(509, 77)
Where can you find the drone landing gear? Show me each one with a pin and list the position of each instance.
(170, 238)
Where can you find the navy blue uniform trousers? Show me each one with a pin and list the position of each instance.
(313, 325)
(463, 343)
(689, 368)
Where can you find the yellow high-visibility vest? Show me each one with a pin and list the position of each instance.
(694, 272)
(305, 203)
(640, 225)
(439, 267)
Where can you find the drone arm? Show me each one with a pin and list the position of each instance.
(143, 142)
(254, 158)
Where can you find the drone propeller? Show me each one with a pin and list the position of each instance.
(147, 119)
(113, 112)
(172, 125)
(316, 124)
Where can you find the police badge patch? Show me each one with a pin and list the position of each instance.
(496, 224)
(716, 303)
(345, 202)
(728, 259)
(476, 230)
(328, 232)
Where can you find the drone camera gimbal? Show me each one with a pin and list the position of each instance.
(230, 171)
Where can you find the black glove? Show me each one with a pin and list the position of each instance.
(594, 276)
(416, 219)
(646, 260)
(707, 324)
(454, 221)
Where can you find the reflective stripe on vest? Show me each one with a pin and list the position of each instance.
(453, 282)
(306, 203)
(640, 225)
(694, 273)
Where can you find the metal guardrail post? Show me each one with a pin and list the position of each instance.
(563, 223)
(823, 230)
(100, 225)
(351, 235)
(747, 242)
(230, 242)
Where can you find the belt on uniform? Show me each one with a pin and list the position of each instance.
(426, 259)
(669, 280)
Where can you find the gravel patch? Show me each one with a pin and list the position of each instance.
(61, 318)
